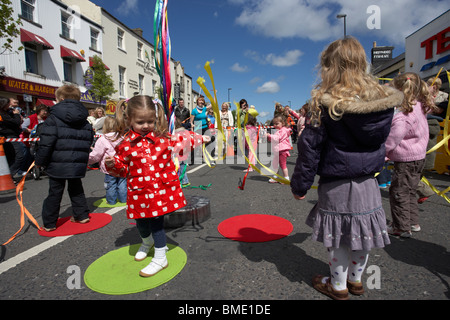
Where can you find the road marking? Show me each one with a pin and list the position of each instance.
(198, 168)
(24, 256)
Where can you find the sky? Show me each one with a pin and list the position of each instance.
(267, 51)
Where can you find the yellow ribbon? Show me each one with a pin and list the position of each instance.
(215, 108)
(443, 142)
(439, 193)
(274, 176)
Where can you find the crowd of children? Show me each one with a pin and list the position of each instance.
(352, 129)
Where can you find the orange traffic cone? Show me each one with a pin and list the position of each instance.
(6, 182)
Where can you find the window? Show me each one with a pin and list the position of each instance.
(141, 84)
(122, 81)
(120, 36)
(68, 70)
(153, 59)
(139, 50)
(65, 25)
(31, 58)
(28, 8)
(94, 39)
(154, 88)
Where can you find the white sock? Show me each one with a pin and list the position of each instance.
(160, 254)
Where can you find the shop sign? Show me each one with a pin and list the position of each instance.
(25, 87)
(88, 97)
(111, 107)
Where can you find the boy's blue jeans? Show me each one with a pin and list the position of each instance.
(116, 189)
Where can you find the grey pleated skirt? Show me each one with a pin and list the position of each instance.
(349, 213)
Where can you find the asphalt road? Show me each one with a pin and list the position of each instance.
(37, 268)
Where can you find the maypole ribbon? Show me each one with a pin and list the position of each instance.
(215, 107)
(274, 176)
(23, 211)
(163, 45)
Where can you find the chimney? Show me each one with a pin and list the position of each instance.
(374, 44)
(139, 32)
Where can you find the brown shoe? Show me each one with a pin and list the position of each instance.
(328, 290)
(355, 288)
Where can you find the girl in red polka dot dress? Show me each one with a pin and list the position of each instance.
(145, 159)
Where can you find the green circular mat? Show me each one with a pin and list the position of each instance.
(103, 204)
(116, 273)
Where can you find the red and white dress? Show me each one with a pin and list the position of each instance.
(153, 185)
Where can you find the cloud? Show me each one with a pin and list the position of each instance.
(255, 80)
(316, 20)
(128, 6)
(238, 68)
(289, 59)
(264, 114)
(269, 87)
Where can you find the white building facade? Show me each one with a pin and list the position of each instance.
(58, 43)
(131, 58)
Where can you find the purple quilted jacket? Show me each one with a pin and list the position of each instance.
(352, 147)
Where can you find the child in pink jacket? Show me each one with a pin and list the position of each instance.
(116, 188)
(407, 147)
(281, 145)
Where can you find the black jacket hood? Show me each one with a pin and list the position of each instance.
(70, 111)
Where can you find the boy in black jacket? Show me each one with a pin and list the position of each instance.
(66, 138)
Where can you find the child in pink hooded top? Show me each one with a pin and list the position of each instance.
(407, 147)
(116, 187)
(281, 145)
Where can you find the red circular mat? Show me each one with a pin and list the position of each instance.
(255, 228)
(64, 227)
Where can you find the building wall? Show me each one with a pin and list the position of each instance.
(47, 24)
(416, 55)
(128, 58)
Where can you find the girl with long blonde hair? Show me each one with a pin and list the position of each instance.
(344, 143)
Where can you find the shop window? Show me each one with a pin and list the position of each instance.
(28, 9)
(31, 58)
(68, 70)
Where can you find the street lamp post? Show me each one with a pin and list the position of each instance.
(229, 89)
(345, 23)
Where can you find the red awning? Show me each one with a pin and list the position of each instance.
(69, 53)
(48, 103)
(29, 37)
(91, 63)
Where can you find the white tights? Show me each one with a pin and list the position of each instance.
(346, 264)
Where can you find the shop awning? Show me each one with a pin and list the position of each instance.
(48, 103)
(29, 37)
(69, 53)
(91, 63)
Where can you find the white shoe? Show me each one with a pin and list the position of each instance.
(142, 253)
(154, 267)
(158, 263)
(272, 181)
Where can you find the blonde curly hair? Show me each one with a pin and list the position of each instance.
(343, 71)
